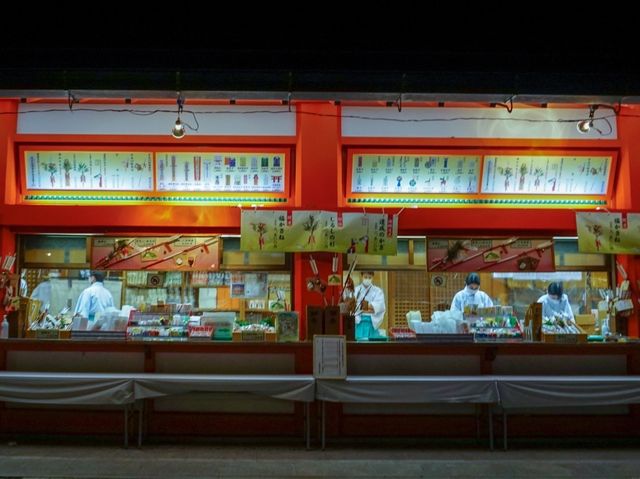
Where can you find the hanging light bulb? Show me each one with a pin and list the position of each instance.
(584, 126)
(178, 129)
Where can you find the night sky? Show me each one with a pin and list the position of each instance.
(499, 46)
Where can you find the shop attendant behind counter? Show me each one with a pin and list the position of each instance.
(471, 295)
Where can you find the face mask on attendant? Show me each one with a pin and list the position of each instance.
(470, 291)
(554, 302)
(366, 282)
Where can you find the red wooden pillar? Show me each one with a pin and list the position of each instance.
(316, 176)
(8, 178)
(627, 197)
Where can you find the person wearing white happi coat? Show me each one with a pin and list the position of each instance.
(369, 300)
(94, 299)
(555, 302)
(471, 295)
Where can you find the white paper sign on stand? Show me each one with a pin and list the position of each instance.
(329, 357)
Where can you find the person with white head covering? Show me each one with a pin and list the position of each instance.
(471, 295)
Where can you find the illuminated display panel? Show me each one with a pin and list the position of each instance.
(414, 173)
(139, 175)
(221, 172)
(89, 170)
(546, 175)
(445, 177)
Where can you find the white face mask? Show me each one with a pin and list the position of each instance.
(554, 301)
(366, 282)
(470, 291)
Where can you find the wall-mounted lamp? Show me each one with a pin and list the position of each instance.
(178, 130)
(180, 127)
(584, 126)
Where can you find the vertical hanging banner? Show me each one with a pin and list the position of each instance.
(490, 254)
(616, 233)
(174, 253)
(362, 233)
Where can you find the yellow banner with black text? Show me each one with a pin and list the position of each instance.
(308, 231)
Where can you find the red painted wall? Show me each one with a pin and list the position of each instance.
(318, 135)
(627, 198)
(8, 177)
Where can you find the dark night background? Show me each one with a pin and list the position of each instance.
(460, 47)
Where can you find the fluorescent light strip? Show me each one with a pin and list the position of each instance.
(468, 201)
(154, 199)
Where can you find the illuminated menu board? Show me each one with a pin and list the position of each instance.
(546, 175)
(412, 173)
(220, 171)
(89, 170)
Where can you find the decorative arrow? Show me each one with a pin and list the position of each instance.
(538, 249)
(204, 245)
(166, 244)
(444, 262)
(116, 252)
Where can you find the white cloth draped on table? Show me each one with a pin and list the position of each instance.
(558, 391)
(409, 389)
(65, 388)
(289, 387)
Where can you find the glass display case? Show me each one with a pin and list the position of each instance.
(158, 325)
(408, 286)
(59, 289)
(57, 269)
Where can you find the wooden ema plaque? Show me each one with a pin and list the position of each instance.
(331, 323)
(348, 323)
(534, 317)
(315, 320)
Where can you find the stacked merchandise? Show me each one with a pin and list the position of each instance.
(561, 329)
(149, 325)
(495, 323)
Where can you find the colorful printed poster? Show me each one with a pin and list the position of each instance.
(287, 326)
(269, 230)
(375, 173)
(175, 253)
(490, 254)
(615, 233)
(255, 285)
(237, 285)
(89, 170)
(546, 175)
(219, 171)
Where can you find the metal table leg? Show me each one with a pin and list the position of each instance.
(307, 425)
(126, 426)
(490, 427)
(322, 423)
(504, 429)
(140, 419)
